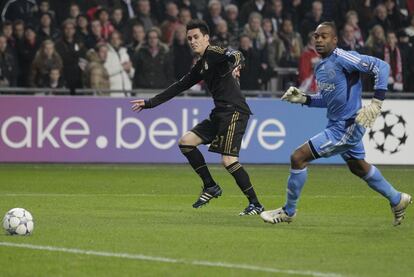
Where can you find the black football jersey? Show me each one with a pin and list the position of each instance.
(215, 68)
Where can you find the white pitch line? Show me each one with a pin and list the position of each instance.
(163, 195)
(168, 260)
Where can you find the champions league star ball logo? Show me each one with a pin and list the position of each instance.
(389, 133)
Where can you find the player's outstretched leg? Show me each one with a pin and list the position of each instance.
(243, 181)
(399, 201)
(210, 188)
(296, 181)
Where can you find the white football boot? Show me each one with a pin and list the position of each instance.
(399, 209)
(277, 216)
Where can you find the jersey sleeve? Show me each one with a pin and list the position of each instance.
(186, 82)
(353, 61)
(217, 54)
(315, 100)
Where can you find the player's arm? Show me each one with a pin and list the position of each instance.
(217, 54)
(352, 61)
(295, 95)
(189, 80)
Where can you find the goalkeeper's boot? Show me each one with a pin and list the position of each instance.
(399, 209)
(252, 209)
(206, 195)
(277, 216)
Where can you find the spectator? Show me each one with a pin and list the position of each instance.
(181, 52)
(127, 7)
(18, 9)
(254, 31)
(409, 30)
(296, 10)
(170, 24)
(250, 75)
(213, 16)
(26, 50)
(223, 37)
(138, 39)
(376, 41)
(74, 11)
(82, 29)
(144, 15)
(276, 14)
(405, 49)
(352, 19)
(292, 43)
(269, 31)
(18, 30)
(153, 63)
(392, 56)
(312, 20)
(118, 64)
(258, 6)
(348, 41)
(232, 18)
(381, 18)
(184, 16)
(72, 54)
(54, 79)
(188, 5)
(394, 14)
(46, 29)
(46, 58)
(7, 31)
(44, 7)
(118, 21)
(8, 65)
(107, 28)
(95, 75)
(95, 36)
(307, 62)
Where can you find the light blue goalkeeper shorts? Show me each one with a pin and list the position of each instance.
(339, 137)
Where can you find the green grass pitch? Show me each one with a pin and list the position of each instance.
(137, 220)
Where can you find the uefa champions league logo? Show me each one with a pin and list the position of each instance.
(389, 133)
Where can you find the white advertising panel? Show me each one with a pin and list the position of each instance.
(391, 140)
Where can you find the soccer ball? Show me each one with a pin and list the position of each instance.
(18, 221)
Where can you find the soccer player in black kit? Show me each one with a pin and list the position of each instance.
(226, 125)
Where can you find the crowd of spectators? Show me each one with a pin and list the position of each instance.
(128, 44)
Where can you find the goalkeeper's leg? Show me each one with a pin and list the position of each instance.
(399, 201)
(297, 178)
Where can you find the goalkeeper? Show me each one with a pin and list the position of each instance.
(339, 84)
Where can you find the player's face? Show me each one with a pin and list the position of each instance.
(325, 40)
(198, 42)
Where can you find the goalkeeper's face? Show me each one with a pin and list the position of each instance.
(197, 40)
(325, 40)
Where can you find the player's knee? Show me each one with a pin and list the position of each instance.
(185, 140)
(228, 160)
(297, 160)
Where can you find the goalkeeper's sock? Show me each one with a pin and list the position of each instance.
(243, 181)
(197, 162)
(378, 183)
(296, 180)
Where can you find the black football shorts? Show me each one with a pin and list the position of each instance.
(224, 131)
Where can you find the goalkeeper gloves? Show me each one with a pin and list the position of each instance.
(294, 95)
(367, 115)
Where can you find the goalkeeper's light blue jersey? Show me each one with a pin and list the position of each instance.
(339, 82)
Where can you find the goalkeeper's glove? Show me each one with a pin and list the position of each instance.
(367, 115)
(294, 95)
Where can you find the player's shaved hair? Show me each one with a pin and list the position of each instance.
(331, 25)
